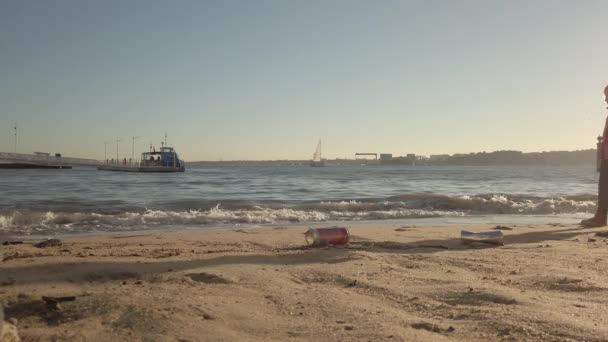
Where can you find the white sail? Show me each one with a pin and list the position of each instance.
(316, 157)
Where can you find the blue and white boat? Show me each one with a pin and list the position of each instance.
(165, 160)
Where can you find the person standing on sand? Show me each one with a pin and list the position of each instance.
(601, 215)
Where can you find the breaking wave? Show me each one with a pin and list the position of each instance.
(398, 207)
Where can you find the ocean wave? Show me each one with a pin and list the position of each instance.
(42, 223)
(480, 204)
(398, 207)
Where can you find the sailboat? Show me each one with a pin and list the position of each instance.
(317, 161)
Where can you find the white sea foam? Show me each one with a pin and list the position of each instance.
(33, 223)
(347, 210)
(6, 221)
(486, 204)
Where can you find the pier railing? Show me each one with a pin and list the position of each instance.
(126, 163)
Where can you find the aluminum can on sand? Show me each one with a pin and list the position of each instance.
(327, 236)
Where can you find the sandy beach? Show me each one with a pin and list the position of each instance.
(391, 283)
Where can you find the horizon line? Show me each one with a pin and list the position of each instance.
(417, 155)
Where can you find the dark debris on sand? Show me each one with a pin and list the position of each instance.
(48, 243)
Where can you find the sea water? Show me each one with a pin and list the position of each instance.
(87, 200)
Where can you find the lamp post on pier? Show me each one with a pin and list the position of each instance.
(133, 147)
(117, 141)
(15, 137)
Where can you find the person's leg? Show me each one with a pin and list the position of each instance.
(602, 195)
(600, 218)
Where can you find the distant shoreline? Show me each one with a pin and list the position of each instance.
(497, 158)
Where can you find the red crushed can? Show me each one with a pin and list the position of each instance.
(327, 236)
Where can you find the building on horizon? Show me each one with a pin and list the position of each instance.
(439, 157)
(386, 158)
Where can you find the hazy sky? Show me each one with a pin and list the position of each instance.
(267, 79)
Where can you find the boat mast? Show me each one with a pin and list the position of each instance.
(320, 157)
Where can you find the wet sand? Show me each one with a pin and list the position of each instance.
(392, 283)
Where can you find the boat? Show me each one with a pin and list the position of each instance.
(165, 160)
(317, 161)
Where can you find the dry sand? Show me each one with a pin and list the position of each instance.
(548, 283)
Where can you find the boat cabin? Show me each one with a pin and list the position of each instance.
(166, 157)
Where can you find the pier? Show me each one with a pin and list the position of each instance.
(44, 160)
